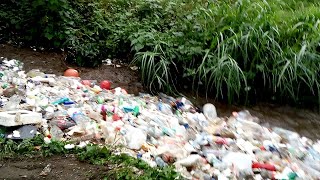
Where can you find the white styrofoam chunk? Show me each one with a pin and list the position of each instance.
(19, 117)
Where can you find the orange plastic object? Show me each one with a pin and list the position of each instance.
(71, 73)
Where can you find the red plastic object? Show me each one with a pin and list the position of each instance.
(262, 148)
(71, 73)
(86, 82)
(104, 115)
(105, 85)
(221, 141)
(116, 117)
(266, 166)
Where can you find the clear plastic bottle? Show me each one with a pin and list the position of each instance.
(160, 162)
(13, 103)
(165, 108)
(81, 120)
(209, 110)
(56, 132)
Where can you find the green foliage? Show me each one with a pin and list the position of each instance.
(73, 25)
(121, 166)
(230, 49)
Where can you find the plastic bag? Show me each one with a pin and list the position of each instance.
(135, 138)
(242, 163)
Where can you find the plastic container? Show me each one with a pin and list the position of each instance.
(209, 110)
(165, 108)
(55, 132)
(13, 103)
(81, 120)
(241, 162)
(160, 162)
(190, 160)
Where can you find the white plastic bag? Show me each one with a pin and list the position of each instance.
(135, 138)
(241, 162)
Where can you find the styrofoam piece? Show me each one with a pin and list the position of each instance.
(19, 117)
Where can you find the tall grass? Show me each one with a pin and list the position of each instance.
(233, 50)
(155, 69)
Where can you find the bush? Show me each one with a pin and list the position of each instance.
(234, 49)
(73, 25)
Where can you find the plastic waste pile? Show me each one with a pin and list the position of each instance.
(160, 130)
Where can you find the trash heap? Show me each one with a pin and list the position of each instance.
(160, 130)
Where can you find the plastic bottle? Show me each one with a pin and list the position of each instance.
(165, 108)
(35, 73)
(266, 166)
(190, 160)
(13, 103)
(315, 154)
(167, 99)
(56, 132)
(310, 161)
(209, 110)
(81, 119)
(160, 162)
(61, 101)
(310, 171)
(168, 131)
(292, 137)
(241, 162)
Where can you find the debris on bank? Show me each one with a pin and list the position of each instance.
(161, 130)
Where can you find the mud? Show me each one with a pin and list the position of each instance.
(62, 167)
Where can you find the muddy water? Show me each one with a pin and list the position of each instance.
(303, 121)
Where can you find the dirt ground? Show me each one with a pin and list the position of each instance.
(62, 167)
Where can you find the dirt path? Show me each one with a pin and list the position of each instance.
(62, 167)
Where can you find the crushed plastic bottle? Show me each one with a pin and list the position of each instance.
(12, 104)
(56, 133)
